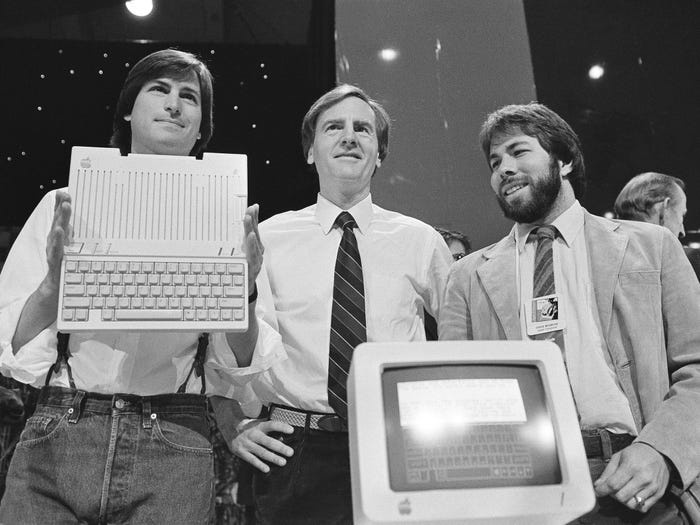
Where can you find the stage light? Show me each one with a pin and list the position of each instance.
(596, 71)
(139, 7)
(609, 215)
(388, 54)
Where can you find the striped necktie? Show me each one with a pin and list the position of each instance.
(348, 327)
(543, 275)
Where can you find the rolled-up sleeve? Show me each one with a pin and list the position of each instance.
(22, 274)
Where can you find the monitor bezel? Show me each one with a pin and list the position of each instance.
(569, 499)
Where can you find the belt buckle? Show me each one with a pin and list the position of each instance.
(332, 423)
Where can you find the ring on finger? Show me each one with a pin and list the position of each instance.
(639, 501)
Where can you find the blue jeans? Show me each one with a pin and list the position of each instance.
(92, 458)
(313, 487)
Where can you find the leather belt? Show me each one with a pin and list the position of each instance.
(302, 419)
(593, 442)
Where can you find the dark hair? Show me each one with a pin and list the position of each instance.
(454, 235)
(552, 132)
(308, 125)
(639, 195)
(166, 63)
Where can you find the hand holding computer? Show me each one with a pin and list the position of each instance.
(254, 248)
(637, 476)
(59, 236)
(254, 445)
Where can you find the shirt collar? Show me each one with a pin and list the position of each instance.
(327, 213)
(569, 224)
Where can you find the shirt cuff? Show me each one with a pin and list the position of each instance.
(32, 362)
(268, 351)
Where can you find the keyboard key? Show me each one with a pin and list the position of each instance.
(68, 314)
(124, 302)
(71, 266)
(202, 315)
(97, 266)
(147, 267)
(189, 315)
(107, 315)
(81, 314)
(208, 267)
(196, 268)
(76, 302)
(98, 302)
(115, 278)
(73, 289)
(84, 266)
(74, 278)
(90, 278)
(110, 266)
(122, 266)
(148, 315)
(135, 267)
(184, 267)
(111, 302)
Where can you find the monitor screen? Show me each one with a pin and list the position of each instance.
(468, 426)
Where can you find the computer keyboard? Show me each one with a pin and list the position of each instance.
(484, 452)
(110, 292)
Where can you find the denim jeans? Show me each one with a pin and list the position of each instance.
(313, 487)
(92, 458)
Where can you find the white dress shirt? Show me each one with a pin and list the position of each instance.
(599, 398)
(142, 363)
(404, 262)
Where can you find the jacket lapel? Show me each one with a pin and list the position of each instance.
(606, 250)
(497, 276)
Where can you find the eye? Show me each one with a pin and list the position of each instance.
(158, 87)
(519, 152)
(494, 164)
(333, 126)
(190, 97)
(363, 128)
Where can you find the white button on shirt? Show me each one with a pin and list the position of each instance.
(598, 396)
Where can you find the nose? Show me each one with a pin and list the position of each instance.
(172, 103)
(349, 138)
(506, 168)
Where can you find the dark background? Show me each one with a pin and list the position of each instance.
(640, 116)
(643, 114)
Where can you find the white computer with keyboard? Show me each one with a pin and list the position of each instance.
(464, 432)
(156, 243)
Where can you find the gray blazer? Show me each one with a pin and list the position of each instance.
(649, 306)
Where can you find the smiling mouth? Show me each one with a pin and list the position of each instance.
(173, 122)
(512, 189)
(348, 155)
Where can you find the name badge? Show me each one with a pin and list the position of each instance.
(542, 315)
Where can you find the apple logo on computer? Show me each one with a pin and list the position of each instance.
(405, 507)
(85, 163)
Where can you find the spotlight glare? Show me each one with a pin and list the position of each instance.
(139, 7)
(388, 54)
(596, 71)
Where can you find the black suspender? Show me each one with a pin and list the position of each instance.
(64, 353)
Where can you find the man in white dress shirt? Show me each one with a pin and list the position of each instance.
(302, 450)
(120, 433)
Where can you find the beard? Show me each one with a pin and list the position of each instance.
(543, 193)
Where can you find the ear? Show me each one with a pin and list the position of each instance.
(564, 169)
(127, 118)
(656, 213)
(310, 157)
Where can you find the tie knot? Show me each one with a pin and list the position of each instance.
(345, 220)
(545, 232)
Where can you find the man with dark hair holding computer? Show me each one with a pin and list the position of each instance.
(336, 274)
(628, 309)
(121, 432)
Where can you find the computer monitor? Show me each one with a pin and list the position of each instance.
(464, 432)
